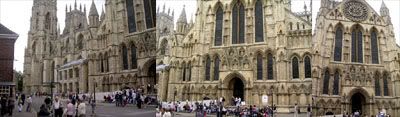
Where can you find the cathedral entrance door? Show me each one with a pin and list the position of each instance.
(357, 103)
(237, 87)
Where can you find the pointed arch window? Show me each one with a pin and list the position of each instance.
(124, 57)
(307, 67)
(336, 83)
(216, 68)
(130, 11)
(150, 12)
(238, 25)
(207, 69)
(374, 48)
(259, 22)
(385, 84)
(183, 71)
(325, 89)
(270, 67)
(295, 68)
(101, 63)
(164, 47)
(189, 69)
(338, 44)
(259, 67)
(377, 85)
(218, 26)
(357, 45)
(133, 57)
(47, 23)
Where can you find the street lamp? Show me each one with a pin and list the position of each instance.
(94, 99)
(272, 105)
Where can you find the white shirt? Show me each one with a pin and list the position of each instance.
(29, 100)
(82, 108)
(167, 114)
(57, 104)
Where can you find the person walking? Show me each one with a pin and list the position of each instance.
(11, 106)
(29, 103)
(296, 111)
(20, 105)
(81, 108)
(58, 109)
(70, 109)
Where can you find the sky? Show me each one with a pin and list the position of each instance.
(190, 6)
(15, 15)
(394, 11)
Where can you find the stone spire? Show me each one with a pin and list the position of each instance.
(93, 10)
(305, 6)
(103, 15)
(75, 5)
(384, 10)
(182, 17)
(163, 9)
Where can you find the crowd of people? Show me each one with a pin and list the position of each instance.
(130, 96)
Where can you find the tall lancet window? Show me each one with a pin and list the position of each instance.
(216, 68)
(325, 89)
(377, 85)
(307, 67)
(183, 71)
(207, 68)
(270, 67)
(374, 48)
(124, 57)
(338, 44)
(259, 22)
(259, 67)
(295, 68)
(219, 18)
(385, 84)
(357, 45)
(238, 23)
(131, 16)
(150, 12)
(336, 83)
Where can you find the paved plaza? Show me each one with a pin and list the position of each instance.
(102, 110)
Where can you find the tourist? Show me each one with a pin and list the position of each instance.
(139, 101)
(58, 109)
(11, 105)
(296, 110)
(44, 111)
(81, 108)
(167, 113)
(70, 109)
(29, 104)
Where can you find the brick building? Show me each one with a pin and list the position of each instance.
(7, 40)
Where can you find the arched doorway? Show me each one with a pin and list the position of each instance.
(236, 86)
(358, 103)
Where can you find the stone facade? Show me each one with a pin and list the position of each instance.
(355, 64)
(108, 52)
(194, 65)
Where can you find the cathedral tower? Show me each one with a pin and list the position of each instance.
(181, 25)
(42, 35)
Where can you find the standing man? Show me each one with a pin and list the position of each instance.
(29, 102)
(58, 110)
(309, 110)
(81, 108)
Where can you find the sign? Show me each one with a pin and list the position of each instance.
(264, 98)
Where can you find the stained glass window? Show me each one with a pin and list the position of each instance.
(216, 68)
(385, 84)
(207, 69)
(259, 67)
(336, 83)
(377, 85)
(270, 67)
(124, 57)
(131, 16)
(238, 24)
(295, 68)
(338, 44)
(218, 27)
(307, 67)
(356, 43)
(190, 72)
(183, 72)
(133, 57)
(259, 30)
(150, 10)
(374, 48)
(326, 83)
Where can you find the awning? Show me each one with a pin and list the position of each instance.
(161, 67)
(72, 63)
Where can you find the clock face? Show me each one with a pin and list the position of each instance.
(355, 10)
